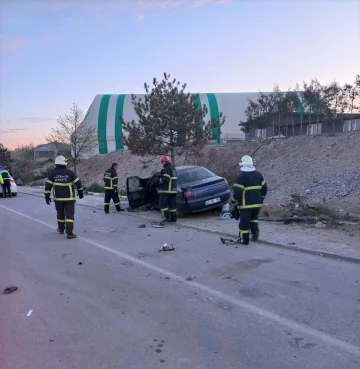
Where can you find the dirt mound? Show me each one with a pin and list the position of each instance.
(325, 169)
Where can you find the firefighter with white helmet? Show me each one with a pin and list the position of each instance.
(250, 190)
(167, 189)
(63, 182)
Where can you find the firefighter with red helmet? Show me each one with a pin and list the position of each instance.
(167, 189)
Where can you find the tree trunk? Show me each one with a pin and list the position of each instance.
(75, 164)
(317, 124)
(273, 126)
(279, 125)
(172, 150)
(172, 155)
(301, 124)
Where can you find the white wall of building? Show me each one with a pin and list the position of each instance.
(105, 111)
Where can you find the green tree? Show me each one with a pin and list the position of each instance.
(352, 96)
(252, 113)
(291, 104)
(331, 95)
(278, 107)
(71, 138)
(170, 121)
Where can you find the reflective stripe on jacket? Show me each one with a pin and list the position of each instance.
(110, 179)
(63, 182)
(5, 175)
(250, 190)
(168, 180)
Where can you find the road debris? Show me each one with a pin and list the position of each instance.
(29, 313)
(157, 224)
(101, 229)
(226, 240)
(80, 263)
(10, 290)
(142, 226)
(165, 247)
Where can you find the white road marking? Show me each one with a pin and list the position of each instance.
(29, 313)
(312, 332)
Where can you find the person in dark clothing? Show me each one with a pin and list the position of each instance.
(6, 182)
(111, 189)
(167, 190)
(2, 184)
(250, 190)
(63, 182)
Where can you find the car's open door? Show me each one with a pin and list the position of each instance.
(136, 191)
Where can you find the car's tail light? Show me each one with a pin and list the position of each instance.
(12, 181)
(188, 194)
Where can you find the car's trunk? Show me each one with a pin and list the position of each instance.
(206, 187)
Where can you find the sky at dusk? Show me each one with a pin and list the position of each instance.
(54, 53)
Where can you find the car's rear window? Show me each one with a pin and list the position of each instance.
(194, 174)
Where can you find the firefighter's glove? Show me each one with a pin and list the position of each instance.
(115, 191)
(81, 194)
(47, 200)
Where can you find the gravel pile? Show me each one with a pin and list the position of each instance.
(323, 168)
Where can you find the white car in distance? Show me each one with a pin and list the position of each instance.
(13, 188)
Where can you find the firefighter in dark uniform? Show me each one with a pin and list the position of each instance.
(167, 190)
(63, 182)
(6, 182)
(250, 190)
(111, 189)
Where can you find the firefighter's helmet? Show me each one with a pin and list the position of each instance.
(246, 160)
(60, 160)
(164, 159)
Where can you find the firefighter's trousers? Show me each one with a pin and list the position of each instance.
(111, 195)
(167, 204)
(65, 216)
(6, 187)
(249, 222)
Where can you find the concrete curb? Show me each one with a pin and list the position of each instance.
(267, 243)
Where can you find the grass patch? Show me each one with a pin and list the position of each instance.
(94, 187)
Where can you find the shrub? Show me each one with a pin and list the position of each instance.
(94, 187)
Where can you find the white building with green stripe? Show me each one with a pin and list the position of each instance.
(105, 110)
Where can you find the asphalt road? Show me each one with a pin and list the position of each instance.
(201, 306)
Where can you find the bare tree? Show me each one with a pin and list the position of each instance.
(26, 153)
(4, 156)
(71, 138)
